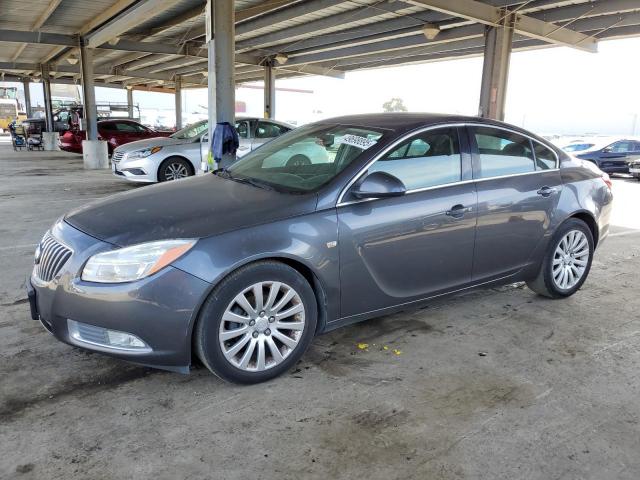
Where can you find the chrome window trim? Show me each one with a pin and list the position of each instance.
(340, 202)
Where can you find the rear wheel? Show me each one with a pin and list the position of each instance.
(174, 168)
(567, 262)
(257, 323)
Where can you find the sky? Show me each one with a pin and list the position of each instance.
(550, 91)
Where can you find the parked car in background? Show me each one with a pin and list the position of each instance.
(612, 156)
(578, 146)
(115, 132)
(180, 155)
(243, 267)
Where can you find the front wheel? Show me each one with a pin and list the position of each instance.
(257, 323)
(567, 262)
(174, 169)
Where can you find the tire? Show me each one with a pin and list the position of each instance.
(549, 281)
(174, 168)
(236, 357)
(298, 160)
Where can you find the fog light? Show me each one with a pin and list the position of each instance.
(135, 171)
(104, 339)
(124, 340)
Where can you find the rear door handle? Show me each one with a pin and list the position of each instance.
(547, 191)
(457, 211)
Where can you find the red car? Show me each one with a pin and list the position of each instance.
(115, 132)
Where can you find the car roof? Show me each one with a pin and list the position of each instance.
(406, 122)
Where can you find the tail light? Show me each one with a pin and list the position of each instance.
(607, 179)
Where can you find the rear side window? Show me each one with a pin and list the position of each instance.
(427, 159)
(269, 130)
(545, 158)
(502, 153)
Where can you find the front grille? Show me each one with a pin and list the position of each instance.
(53, 255)
(117, 156)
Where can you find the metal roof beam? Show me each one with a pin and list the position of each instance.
(531, 27)
(126, 20)
(411, 24)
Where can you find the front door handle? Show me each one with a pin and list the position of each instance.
(457, 211)
(547, 191)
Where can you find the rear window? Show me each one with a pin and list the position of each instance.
(502, 153)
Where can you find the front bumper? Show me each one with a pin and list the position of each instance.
(143, 170)
(160, 309)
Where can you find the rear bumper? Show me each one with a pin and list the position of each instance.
(160, 310)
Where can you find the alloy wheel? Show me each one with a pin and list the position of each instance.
(176, 170)
(570, 259)
(262, 326)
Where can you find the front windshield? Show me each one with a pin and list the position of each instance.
(306, 158)
(191, 131)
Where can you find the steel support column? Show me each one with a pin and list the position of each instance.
(130, 102)
(224, 28)
(269, 90)
(211, 79)
(178, 100)
(495, 70)
(27, 96)
(46, 87)
(88, 91)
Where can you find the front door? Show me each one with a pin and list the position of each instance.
(518, 187)
(401, 249)
(615, 157)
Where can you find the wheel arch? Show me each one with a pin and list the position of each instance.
(589, 219)
(300, 266)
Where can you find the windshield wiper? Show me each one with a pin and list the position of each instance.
(251, 181)
(222, 172)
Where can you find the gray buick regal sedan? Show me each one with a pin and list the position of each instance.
(242, 267)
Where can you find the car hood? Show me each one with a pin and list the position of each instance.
(149, 143)
(196, 207)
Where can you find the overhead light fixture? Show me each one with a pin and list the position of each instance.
(281, 58)
(114, 41)
(72, 60)
(36, 79)
(430, 30)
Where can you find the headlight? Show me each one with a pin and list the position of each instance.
(135, 262)
(144, 153)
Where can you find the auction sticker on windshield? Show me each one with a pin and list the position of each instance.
(357, 141)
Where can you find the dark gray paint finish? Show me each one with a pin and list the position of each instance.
(391, 252)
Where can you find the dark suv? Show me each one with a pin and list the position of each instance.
(615, 157)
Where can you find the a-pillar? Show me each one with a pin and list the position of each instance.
(49, 136)
(94, 151)
(495, 71)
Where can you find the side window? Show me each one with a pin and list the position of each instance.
(621, 147)
(545, 158)
(108, 126)
(428, 159)
(637, 147)
(502, 152)
(269, 130)
(126, 127)
(243, 129)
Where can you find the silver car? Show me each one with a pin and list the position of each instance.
(169, 158)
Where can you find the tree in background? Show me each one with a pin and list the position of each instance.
(394, 105)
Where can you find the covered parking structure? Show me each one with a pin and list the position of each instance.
(173, 45)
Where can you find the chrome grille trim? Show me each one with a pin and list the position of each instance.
(53, 256)
(117, 156)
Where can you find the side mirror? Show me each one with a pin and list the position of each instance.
(607, 150)
(379, 185)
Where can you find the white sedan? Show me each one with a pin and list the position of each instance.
(180, 155)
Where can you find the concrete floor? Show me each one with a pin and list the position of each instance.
(494, 384)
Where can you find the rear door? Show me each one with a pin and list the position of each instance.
(402, 249)
(518, 184)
